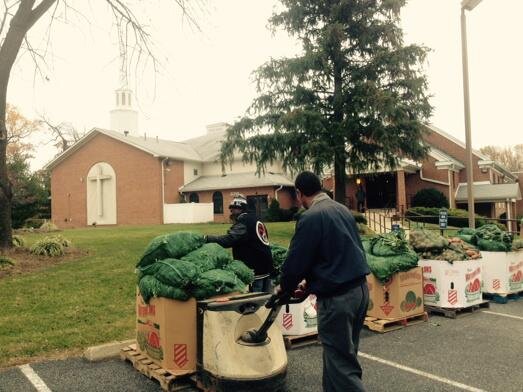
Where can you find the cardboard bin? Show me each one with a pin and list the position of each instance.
(400, 297)
(456, 285)
(166, 333)
(502, 272)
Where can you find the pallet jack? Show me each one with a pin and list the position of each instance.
(232, 353)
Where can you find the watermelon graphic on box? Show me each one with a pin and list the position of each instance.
(473, 290)
(430, 291)
(411, 302)
(516, 281)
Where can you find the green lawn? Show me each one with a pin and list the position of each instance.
(449, 232)
(65, 308)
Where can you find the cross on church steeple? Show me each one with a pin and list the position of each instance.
(99, 177)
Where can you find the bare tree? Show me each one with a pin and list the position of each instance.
(518, 148)
(510, 157)
(17, 18)
(63, 135)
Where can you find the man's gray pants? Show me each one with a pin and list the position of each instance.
(340, 320)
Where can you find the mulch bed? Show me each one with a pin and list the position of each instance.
(25, 262)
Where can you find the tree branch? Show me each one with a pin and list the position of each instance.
(38, 11)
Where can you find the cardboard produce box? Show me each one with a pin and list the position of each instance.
(502, 272)
(456, 285)
(301, 319)
(166, 332)
(400, 297)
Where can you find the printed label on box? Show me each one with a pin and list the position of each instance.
(430, 290)
(516, 276)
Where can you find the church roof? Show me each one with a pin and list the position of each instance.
(209, 145)
(151, 145)
(235, 181)
(491, 193)
(157, 147)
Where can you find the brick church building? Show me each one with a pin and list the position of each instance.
(496, 189)
(120, 177)
(116, 176)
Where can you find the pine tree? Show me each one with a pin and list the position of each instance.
(354, 99)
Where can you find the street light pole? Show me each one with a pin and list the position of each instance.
(467, 5)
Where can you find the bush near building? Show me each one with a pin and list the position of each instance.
(276, 214)
(430, 197)
(457, 217)
(359, 217)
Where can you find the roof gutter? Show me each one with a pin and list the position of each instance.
(163, 189)
(431, 180)
(276, 192)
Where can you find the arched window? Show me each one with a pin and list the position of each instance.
(193, 198)
(217, 200)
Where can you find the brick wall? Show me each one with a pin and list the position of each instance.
(173, 180)
(138, 183)
(459, 153)
(206, 197)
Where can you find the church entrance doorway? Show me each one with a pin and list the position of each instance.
(380, 190)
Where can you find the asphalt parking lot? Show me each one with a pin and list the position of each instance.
(478, 352)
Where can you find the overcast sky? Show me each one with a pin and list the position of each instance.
(205, 76)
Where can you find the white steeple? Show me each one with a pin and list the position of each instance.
(123, 117)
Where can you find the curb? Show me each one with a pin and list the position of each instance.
(104, 351)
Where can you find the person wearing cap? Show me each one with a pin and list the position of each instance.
(249, 239)
(326, 258)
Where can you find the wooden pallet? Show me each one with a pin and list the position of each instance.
(503, 298)
(455, 312)
(382, 326)
(294, 341)
(168, 381)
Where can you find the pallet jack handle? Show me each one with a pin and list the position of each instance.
(275, 302)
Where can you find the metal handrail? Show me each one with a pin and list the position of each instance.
(378, 222)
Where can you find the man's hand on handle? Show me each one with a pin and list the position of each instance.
(298, 293)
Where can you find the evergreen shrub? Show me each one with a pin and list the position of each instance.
(430, 197)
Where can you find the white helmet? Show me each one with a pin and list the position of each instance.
(239, 202)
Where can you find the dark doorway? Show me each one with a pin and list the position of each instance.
(380, 190)
(257, 204)
(482, 209)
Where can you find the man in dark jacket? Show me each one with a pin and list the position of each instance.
(249, 240)
(327, 253)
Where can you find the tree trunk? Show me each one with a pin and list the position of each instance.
(339, 140)
(6, 195)
(22, 21)
(339, 178)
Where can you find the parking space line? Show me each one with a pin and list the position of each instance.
(31, 375)
(421, 373)
(503, 314)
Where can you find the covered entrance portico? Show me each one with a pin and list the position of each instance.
(491, 194)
